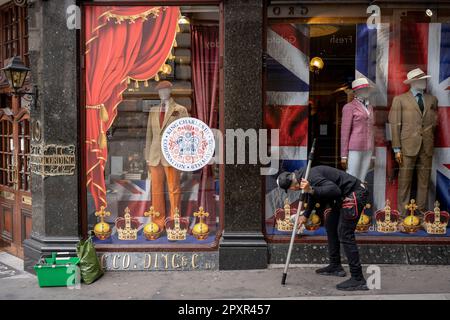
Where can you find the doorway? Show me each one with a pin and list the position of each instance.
(329, 87)
(15, 195)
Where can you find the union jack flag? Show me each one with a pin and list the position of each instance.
(288, 92)
(384, 56)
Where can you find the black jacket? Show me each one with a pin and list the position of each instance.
(329, 185)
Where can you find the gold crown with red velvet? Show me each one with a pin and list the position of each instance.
(283, 217)
(387, 219)
(436, 221)
(127, 227)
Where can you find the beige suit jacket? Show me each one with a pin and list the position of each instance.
(409, 128)
(153, 152)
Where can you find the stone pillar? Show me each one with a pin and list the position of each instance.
(53, 60)
(243, 245)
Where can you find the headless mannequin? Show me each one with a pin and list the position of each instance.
(160, 171)
(364, 162)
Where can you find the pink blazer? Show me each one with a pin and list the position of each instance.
(357, 128)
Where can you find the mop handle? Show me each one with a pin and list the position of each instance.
(300, 207)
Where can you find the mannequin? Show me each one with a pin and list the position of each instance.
(159, 169)
(357, 137)
(413, 120)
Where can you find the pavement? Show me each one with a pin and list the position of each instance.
(396, 282)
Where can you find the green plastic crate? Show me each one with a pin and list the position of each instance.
(57, 271)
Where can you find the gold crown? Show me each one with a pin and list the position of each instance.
(102, 230)
(127, 227)
(313, 222)
(201, 229)
(151, 230)
(284, 223)
(411, 224)
(387, 219)
(436, 222)
(365, 221)
(179, 230)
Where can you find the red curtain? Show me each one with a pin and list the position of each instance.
(205, 70)
(122, 43)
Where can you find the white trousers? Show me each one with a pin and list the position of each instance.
(359, 163)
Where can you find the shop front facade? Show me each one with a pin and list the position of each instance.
(116, 77)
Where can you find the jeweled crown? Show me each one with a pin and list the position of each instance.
(283, 217)
(127, 227)
(177, 232)
(436, 222)
(387, 219)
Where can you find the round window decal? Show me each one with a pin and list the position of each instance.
(188, 144)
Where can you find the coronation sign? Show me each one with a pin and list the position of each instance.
(188, 144)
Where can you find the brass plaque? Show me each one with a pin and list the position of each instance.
(7, 195)
(27, 200)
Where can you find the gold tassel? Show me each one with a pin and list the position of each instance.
(136, 85)
(175, 44)
(129, 81)
(157, 78)
(104, 114)
(146, 83)
(102, 142)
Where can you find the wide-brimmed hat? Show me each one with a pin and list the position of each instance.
(360, 84)
(414, 75)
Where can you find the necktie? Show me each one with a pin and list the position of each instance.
(420, 102)
(162, 115)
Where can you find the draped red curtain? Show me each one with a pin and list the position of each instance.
(122, 43)
(205, 70)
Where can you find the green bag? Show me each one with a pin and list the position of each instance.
(90, 267)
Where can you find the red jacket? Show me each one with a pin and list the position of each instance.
(357, 128)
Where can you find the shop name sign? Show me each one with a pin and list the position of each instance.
(53, 160)
(287, 11)
(159, 261)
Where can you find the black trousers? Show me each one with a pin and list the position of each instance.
(341, 224)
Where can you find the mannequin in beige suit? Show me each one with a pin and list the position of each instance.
(413, 120)
(159, 170)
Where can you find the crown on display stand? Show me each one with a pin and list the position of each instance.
(127, 227)
(387, 219)
(436, 222)
(180, 227)
(283, 217)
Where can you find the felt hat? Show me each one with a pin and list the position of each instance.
(164, 85)
(414, 75)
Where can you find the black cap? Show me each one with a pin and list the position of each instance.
(284, 181)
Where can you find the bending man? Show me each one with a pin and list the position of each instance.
(347, 196)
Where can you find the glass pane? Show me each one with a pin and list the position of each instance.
(151, 200)
(374, 92)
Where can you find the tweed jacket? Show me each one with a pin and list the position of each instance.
(153, 151)
(410, 129)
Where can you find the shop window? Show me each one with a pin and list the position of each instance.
(6, 153)
(146, 68)
(24, 155)
(311, 64)
(14, 32)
